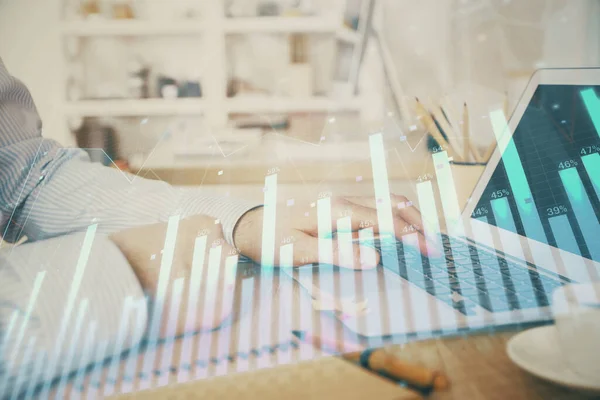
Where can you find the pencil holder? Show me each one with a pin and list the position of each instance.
(466, 175)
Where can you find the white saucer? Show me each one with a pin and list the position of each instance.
(537, 351)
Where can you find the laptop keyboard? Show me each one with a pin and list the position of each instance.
(469, 276)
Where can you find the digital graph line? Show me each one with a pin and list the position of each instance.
(210, 299)
(431, 225)
(173, 318)
(100, 354)
(115, 362)
(196, 279)
(518, 181)
(325, 249)
(227, 297)
(387, 231)
(432, 231)
(140, 308)
(565, 240)
(79, 322)
(286, 297)
(505, 220)
(156, 318)
(25, 363)
(498, 298)
(16, 347)
(37, 371)
(70, 304)
(265, 310)
(582, 207)
(244, 340)
(591, 163)
(592, 103)
(86, 357)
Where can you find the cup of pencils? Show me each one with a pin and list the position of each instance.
(454, 136)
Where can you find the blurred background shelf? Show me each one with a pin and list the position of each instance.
(88, 28)
(302, 74)
(126, 107)
(348, 35)
(281, 25)
(252, 104)
(131, 28)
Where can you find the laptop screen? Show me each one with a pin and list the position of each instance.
(547, 185)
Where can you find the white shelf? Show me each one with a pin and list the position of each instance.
(281, 25)
(132, 108)
(281, 105)
(211, 31)
(348, 35)
(185, 27)
(252, 154)
(131, 28)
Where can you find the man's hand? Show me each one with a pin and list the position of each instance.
(303, 228)
(142, 246)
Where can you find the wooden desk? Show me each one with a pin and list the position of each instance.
(477, 365)
(478, 368)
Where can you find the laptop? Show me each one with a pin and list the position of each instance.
(530, 226)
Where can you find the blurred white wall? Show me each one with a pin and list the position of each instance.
(439, 46)
(30, 47)
(480, 51)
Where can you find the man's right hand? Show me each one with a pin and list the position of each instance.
(143, 248)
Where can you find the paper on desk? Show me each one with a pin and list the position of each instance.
(320, 379)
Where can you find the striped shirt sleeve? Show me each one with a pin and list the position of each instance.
(49, 193)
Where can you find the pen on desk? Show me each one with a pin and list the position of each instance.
(381, 362)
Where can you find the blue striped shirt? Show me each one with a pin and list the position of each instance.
(51, 195)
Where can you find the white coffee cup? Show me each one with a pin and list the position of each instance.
(576, 309)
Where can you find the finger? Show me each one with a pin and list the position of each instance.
(404, 208)
(407, 220)
(401, 208)
(361, 213)
(344, 253)
(349, 254)
(429, 241)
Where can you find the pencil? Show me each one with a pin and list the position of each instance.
(490, 150)
(445, 115)
(467, 145)
(432, 128)
(379, 361)
(465, 130)
(328, 344)
(442, 121)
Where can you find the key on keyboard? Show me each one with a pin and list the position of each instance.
(478, 276)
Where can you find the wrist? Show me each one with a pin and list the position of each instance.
(245, 225)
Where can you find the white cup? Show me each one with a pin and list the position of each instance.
(576, 309)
